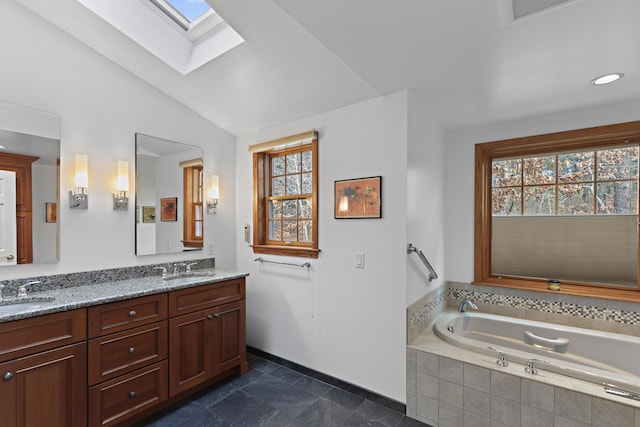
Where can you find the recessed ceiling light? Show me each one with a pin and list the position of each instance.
(607, 78)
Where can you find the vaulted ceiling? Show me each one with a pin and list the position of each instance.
(467, 61)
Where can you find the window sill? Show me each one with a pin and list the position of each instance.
(587, 291)
(286, 251)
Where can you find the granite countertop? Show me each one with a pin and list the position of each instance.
(69, 298)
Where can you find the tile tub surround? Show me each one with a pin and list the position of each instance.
(591, 313)
(425, 310)
(60, 281)
(451, 387)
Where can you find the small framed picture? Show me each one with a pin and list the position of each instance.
(148, 214)
(52, 212)
(358, 198)
(169, 209)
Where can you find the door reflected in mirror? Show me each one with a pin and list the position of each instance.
(168, 196)
(29, 196)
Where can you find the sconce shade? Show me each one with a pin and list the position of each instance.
(214, 194)
(122, 184)
(214, 191)
(121, 200)
(82, 171)
(79, 198)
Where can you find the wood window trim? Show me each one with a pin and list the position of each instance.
(190, 240)
(261, 243)
(581, 139)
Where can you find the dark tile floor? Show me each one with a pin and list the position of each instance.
(274, 395)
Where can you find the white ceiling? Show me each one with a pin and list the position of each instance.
(463, 60)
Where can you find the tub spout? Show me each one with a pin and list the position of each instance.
(465, 303)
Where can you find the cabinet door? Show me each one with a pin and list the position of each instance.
(190, 355)
(46, 389)
(229, 336)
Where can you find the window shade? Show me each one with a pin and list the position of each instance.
(300, 138)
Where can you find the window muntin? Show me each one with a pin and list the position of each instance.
(290, 203)
(577, 172)
(593, 182)
(285, 196)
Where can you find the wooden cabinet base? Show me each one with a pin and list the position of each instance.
(117, 400)
(46, 389)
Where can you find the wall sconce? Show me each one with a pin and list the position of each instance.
(79, 198)
(213, 194)
(120, 199)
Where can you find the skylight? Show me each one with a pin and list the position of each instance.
(190, 9)
(185, 34)
(186, 13)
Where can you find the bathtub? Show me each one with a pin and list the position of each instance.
(602, 358)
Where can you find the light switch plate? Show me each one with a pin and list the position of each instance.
(359, 259)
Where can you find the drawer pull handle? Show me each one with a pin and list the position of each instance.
(216, 315)
(132, 394)
(132, 350)
(7, 376)
(209, 317)
(132, 313)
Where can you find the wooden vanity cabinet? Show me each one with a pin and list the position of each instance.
(127, 358)
(44, 371)
(208, 337)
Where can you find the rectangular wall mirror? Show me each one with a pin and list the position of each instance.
(169, 209)
(29, 187)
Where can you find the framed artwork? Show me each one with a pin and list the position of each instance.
(51, 209)
(148, 214)
(358, 198)
(169, 209)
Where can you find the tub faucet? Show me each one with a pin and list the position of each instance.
(502, 358)
(465, 303)
(531, 367)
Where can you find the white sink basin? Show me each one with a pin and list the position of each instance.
(14, 306)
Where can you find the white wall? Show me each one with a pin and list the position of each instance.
(460, 171)
(101, 107)
(425, 200)
(334, 318)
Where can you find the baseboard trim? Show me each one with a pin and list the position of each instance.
(359, 391)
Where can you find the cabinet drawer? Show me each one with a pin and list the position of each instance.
(118, 316)
(126, 351)
(201, 297)
(23, 337)
(114, 401)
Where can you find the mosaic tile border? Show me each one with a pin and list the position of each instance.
(433, 302)
(626, 317)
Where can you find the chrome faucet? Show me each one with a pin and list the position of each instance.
(176, 267)
(22, 290)
(531, 367)
(502, 358)
(188, 267)
(465, 303)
